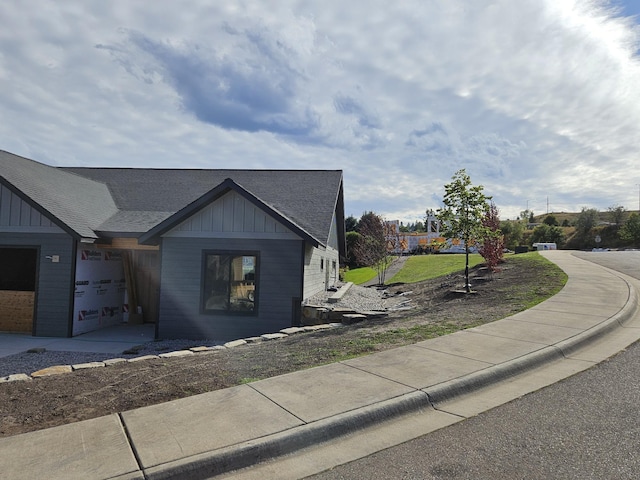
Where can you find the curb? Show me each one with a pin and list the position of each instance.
(252, 452)
(571, 345)
(559, 351)
(206, 465)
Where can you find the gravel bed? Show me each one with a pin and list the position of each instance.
(32, 362)
(357, 298)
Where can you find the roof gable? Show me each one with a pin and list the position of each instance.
(76, 204)
(228, 185)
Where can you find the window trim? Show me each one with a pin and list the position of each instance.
(230, 253)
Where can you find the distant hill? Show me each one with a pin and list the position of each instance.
(572, 217)
(606, 230)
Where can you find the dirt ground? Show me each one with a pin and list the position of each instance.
(436, 310)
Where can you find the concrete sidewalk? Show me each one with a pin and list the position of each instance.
(308, 415)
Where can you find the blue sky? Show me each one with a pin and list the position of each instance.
(629, 7)
(538, 100)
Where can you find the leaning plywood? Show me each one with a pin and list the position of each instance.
(16, 311)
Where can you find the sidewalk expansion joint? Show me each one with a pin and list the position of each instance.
(276, 403)
(379, 376)
(132, 446)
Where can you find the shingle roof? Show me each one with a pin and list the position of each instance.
(78, 204)
(108, 201)
(308, 198)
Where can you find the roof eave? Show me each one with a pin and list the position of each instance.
(79, 236)
(152, 236)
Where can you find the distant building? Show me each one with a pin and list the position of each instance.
(431, 240)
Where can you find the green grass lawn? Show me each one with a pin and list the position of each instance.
(417, 268)
(360, 275)
(424, 267)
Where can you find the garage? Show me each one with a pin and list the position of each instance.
(18, 267)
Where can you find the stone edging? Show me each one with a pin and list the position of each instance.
(60, 369)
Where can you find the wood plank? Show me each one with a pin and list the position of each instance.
(16, 311)
(126, 243)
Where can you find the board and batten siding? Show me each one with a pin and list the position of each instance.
(232, 216)
(278, 284)
(54, 288)
(16, 215)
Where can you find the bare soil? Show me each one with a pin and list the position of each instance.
(436, 310)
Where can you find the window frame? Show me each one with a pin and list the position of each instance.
(203, 283)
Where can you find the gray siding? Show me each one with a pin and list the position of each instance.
(16, 215)
(279, 282)
(232, 216)
(54, 280)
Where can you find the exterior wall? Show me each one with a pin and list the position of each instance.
(288, 271)
(54, 288)
(278, 285)
(23, 226)
(321, 270)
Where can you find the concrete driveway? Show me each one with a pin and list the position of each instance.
(111, 340)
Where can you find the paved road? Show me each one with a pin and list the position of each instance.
(585, 427)
(626, 262)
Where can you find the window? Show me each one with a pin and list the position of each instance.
(229, 284)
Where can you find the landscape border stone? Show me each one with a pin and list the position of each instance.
(81, 366)
(59, 369)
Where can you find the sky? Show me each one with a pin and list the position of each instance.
(538, 100)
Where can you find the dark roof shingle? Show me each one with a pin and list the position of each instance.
(78, 203)
(93, 201)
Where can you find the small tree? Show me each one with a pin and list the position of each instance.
(617, 214)
(587, 219)
(350, 224)
(550, 220)
(375, 245)
(353, 239)
(512, 231)
(630, 231)
(461, 217)
(492, 248)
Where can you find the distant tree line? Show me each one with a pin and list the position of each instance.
(615, 228)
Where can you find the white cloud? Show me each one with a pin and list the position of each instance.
(534, 98)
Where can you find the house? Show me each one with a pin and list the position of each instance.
(218, 254)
